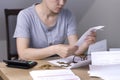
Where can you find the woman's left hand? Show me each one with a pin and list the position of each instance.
(90, 39)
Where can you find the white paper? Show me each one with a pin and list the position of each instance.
(106, 72)
(114, 49)
(105, 57)
(82, 38)
(59, 74)
(69, 60)
(105, 64)
(98, 46)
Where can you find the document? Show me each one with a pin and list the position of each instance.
(106, 72)
(59, 74)
(105, 57)
(82, 38)
(114, 49)
(98, 46)
(105, 64)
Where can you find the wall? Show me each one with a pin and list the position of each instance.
(107, 13)
(78, 7)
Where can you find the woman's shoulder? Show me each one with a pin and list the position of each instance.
(27, 11)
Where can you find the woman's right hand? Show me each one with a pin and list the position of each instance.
(65, 50)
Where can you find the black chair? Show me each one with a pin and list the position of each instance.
(10, 19)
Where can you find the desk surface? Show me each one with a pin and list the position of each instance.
(23, 74)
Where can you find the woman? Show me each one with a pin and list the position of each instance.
(43, 28)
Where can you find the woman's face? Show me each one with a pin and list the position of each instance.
(55, 6)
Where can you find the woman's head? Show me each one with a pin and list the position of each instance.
(54, 6)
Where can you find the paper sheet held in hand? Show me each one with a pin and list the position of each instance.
(82, 38)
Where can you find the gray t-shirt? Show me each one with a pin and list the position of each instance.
(30, 26)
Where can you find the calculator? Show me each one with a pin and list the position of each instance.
(24, 64)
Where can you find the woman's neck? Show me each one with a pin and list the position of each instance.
(44, 11)
(46, 15)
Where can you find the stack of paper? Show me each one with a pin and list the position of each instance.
(114, 49)
(105, 65)
(61, 74)
(105, 57)
(106, 72)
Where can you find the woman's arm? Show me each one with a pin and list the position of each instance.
(32, 53)
(27, 53)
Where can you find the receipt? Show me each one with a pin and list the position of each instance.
(82, 38)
